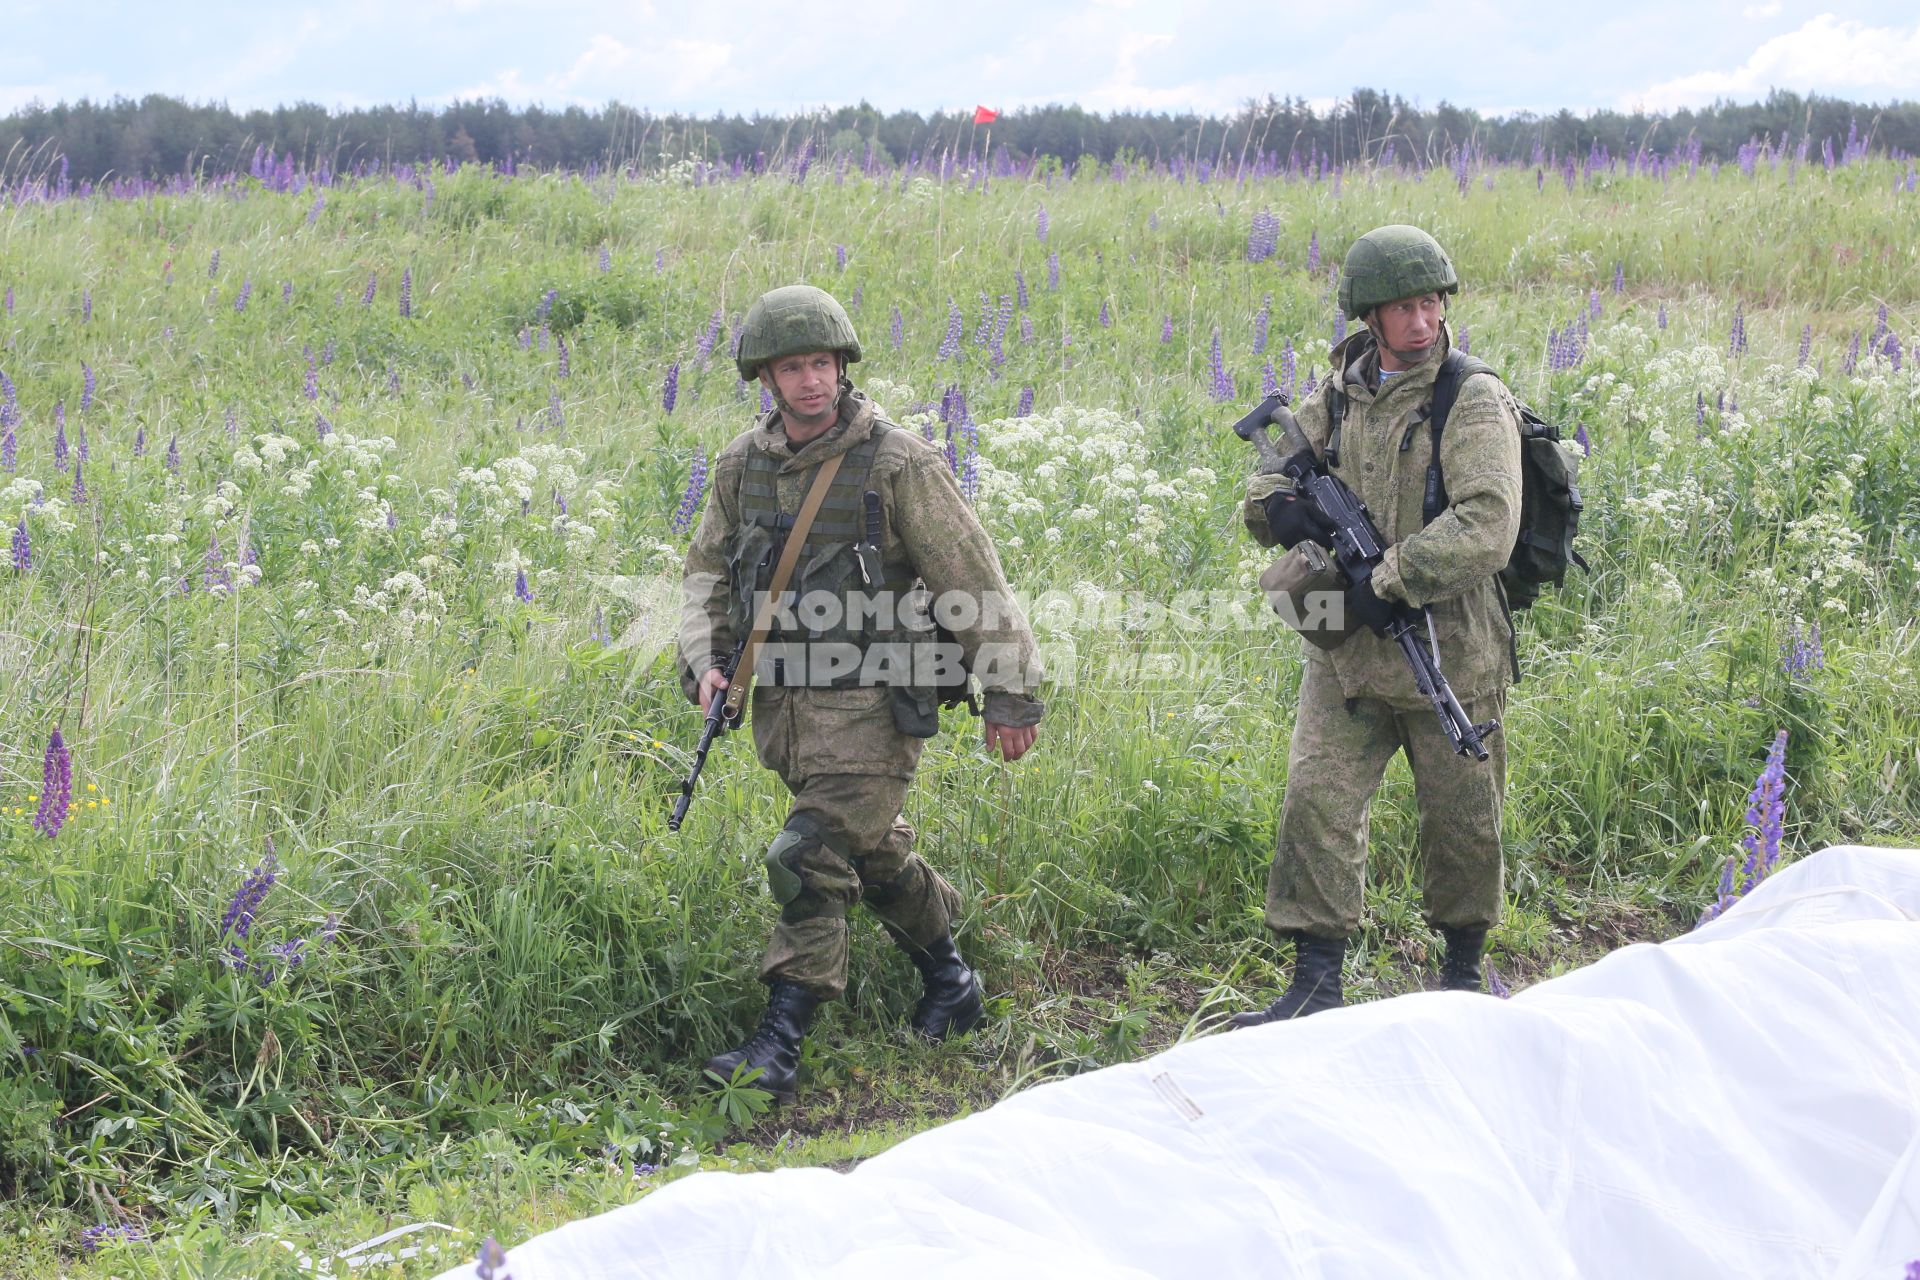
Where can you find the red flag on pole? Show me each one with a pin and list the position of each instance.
(983, 116)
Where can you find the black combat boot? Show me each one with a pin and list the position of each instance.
(775, 1046)
(1315, 986)
(950, 1000)
(1460, 969)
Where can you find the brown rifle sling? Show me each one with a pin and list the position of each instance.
(777, 586)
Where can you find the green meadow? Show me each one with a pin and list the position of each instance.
(383, 593)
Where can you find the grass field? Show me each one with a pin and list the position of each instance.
(349, 519)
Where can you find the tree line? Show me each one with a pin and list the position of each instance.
(157, 137)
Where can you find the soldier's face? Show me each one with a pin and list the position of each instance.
(1406, 329)
(809, 386)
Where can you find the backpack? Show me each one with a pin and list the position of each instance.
(1550, 503)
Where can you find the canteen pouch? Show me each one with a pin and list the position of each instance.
(1309, 595)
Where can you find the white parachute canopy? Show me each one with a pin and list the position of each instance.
(1742, 1101)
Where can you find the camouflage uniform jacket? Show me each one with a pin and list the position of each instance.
(1451, 564)
(927, 524)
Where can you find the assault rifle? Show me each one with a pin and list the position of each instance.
(1357, 549)
(719, 719)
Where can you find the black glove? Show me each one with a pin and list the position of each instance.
(1292, 521)
(1364, 608)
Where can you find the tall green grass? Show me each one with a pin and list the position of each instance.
(477, 794)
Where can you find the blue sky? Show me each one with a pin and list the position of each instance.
(750, 55)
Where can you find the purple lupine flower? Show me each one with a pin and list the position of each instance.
(492, 1262)
(1026, 328)
(1766, 814)
(1040, 224)
(1619, 277)
(696, 491)
(311, 384)
(1307, 388)
(1496, 985)
(521, 591)
(1261, 320)
(173, 454)
(1581, 438)
(1806, 344)
(240, 299)
(319, 203)
(950, 345)
(1339, 326)
(897, 329)
(710, 337)
(214, 573)
(246, 901)
(597, 629)
(1800, 653)
(140, 442)
(59, 446)
(1269, 381)
(556, 412)
(1852, 361)
(606, 259)
(286, 291)
(9, 299)
(565, 360)
(1737, 338)
(327, 352)
(22, 548)
(1166, 330)
(1313, 252)
(1025, 406)
(1465, 348)
(406, 294)
(105, 1233)
(766, 399)
(1880, 328)
(393, 380)
(670, 389)
(659, 262)
(213, 265)
(1053, 271)
(233, 423)
(1106, 316)
(840, 255)
(86, 386)
(1020, 288)
(56, 787)
(79, 495)
(86, 306)
(1593, 303)
(373, 286)
(1661, 319)
(321, 427)
(1891, 350)
(1222, 380)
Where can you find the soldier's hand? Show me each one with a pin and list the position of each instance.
(712, 685)
(1010, 742)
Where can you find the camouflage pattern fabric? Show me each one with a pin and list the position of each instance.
(1340, 751)
(839, 751)
(1450, 564)
(927, 525)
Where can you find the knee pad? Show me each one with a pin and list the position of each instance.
(797, 838)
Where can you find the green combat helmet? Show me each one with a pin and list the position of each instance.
(1393, 262)
(790, 321)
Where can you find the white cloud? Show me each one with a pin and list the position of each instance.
(611, 69)
(1767, 10)
(1827, 55)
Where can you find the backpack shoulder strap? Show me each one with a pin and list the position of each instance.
(1454, 370)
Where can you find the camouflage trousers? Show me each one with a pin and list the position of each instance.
(845, 840)
(1340, 752)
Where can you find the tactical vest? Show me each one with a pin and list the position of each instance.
(830, 562)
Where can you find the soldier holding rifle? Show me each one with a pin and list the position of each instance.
(1360, 698)
(838, 564)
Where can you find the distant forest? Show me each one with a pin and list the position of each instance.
(158, 137)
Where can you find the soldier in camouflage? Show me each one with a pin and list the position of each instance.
(1358, 703)
(848, 686)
